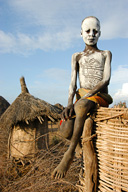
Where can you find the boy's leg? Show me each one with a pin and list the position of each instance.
(66, 131)
(82, 107)
(66, 128)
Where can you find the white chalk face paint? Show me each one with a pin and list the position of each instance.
(90, 31)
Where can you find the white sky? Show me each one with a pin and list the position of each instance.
(38, 37)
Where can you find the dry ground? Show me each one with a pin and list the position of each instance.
(35, 175)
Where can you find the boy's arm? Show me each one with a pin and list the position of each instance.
(72, 88)
(73, 83)
(106, 75)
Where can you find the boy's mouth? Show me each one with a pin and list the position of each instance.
(91, 39)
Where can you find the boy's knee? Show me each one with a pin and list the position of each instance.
(80, 107)
(66, 129)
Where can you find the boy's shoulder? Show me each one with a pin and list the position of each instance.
(107, 53)
(76, 55)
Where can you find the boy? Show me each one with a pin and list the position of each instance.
(94, 69)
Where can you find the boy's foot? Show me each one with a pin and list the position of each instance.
(61, 169)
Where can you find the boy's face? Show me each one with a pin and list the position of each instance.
(90, 31)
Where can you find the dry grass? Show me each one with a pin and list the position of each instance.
(35, 174)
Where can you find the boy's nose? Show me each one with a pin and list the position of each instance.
(92, 33)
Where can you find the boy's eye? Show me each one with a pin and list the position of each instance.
(88, 31)
(95, 31)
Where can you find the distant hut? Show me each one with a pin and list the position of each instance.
(4, 104)
(26, 120)
(59, 106)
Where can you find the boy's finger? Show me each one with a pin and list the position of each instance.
(71, 111)
(63, 115)
(66, 113)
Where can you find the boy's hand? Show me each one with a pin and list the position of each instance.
(67, 112)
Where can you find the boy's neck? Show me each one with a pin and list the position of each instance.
(91, 47)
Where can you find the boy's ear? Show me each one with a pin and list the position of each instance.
(99, 33)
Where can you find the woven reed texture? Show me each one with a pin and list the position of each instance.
(112, 149)
(26, 139)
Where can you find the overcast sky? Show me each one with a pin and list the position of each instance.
(38, 38)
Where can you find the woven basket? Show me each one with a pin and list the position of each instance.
(112, 149)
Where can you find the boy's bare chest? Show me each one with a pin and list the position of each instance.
(94, 61)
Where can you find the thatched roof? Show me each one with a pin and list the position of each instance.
(4, 104)
(26, 108)
(59, 106)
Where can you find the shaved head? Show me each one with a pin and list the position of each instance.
(89, 17)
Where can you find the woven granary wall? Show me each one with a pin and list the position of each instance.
(27, 139)
(112, 149)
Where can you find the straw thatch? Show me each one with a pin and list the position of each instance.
(4, 104)
(27, 108)
(26, 114)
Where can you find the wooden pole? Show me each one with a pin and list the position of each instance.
(89, 157)
(24, 88)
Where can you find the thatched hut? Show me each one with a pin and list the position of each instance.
(4, 104)
(25, 121)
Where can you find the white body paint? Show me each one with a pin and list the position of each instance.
(92, 65)
(94, 68)
(91, 70)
